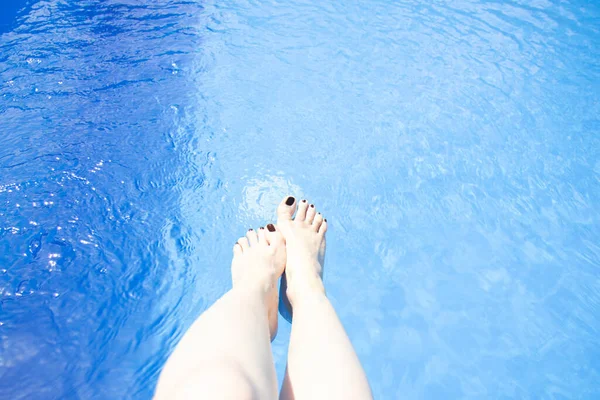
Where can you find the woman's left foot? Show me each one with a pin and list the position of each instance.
(258, 262)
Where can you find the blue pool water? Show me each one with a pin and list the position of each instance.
(454, 146)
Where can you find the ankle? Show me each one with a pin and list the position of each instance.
(307, 293)
(256, 289)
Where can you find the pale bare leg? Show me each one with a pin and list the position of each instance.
(322, 363)
(226, 354)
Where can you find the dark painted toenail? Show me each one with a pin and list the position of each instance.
(304, 201)
(262, 227)
(325, 220)
(319, 213)
(312, 206)
(271, 228)
(250, 230)
(290, 200)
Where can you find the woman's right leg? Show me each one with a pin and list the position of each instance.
(226, 353)
(322, 363)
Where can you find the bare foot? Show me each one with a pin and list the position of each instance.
(305, 241)
(258, 262)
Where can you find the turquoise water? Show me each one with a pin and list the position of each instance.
(453, 147)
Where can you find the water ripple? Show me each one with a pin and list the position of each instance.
(453, 147)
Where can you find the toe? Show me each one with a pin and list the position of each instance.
(262, 236)
(243, 242)
(310, 213)
(273, 236)
(318, 221)
(323, 227)
(252, 237)
(286, 209)
(237, 250)
(301, 213)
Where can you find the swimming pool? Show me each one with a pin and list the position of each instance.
(453, 146)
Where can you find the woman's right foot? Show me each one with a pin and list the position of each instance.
(258, 262)
(304, 235)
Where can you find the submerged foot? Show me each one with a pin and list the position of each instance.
(305, 245)
(258, 262)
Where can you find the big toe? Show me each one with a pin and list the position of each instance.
(274, 237)
(286, 210)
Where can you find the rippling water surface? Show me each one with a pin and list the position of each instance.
(453, 145)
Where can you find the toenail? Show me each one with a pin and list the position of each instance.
(271, 228)
(262, 227)
(250, 230)
(304, 201)
(319, 213)
(325, 220)
(312, 206)
(290, 200)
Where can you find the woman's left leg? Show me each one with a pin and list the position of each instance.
(226, 354)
